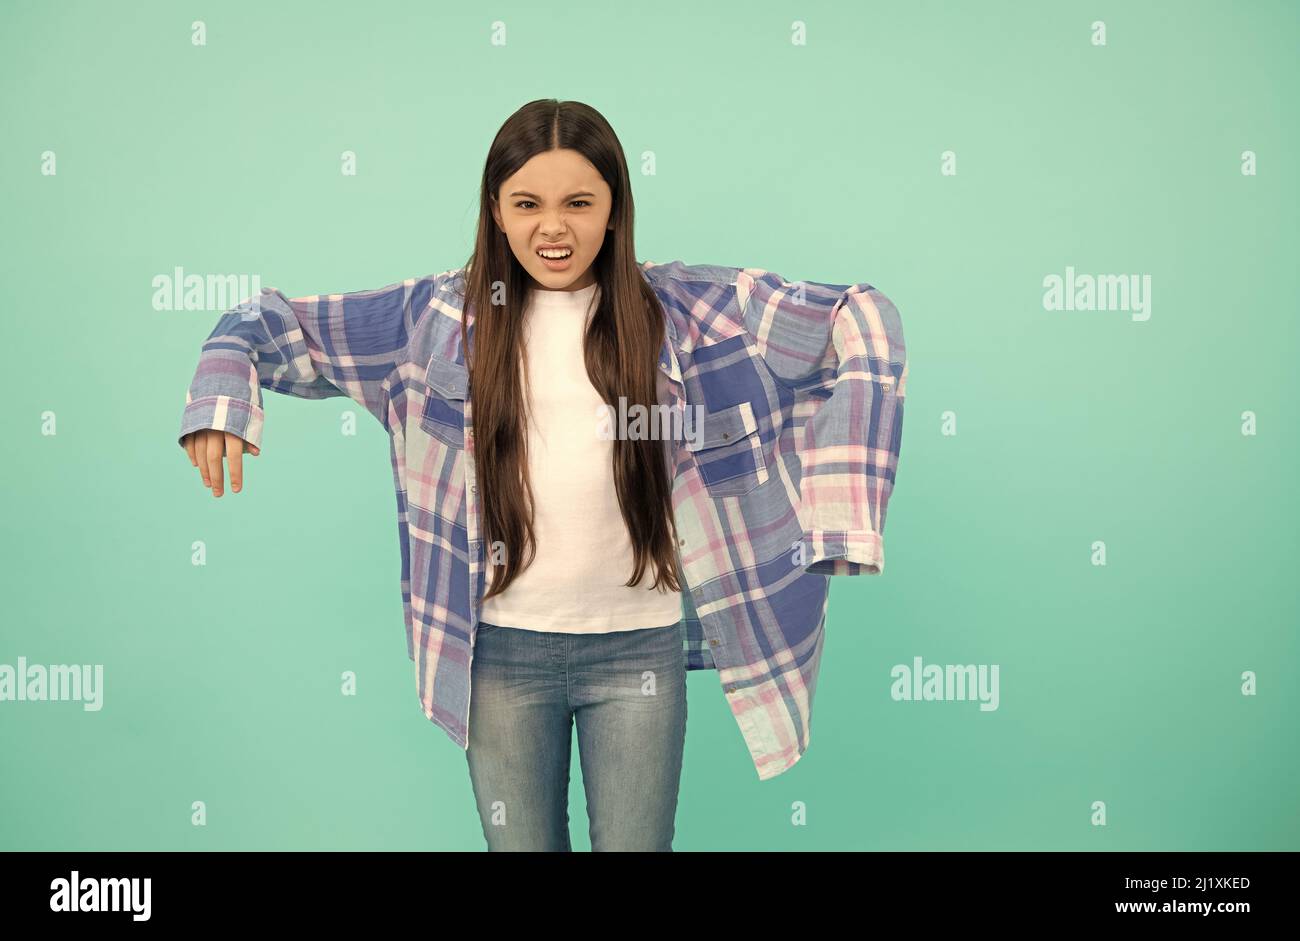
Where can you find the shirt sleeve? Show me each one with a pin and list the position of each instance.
(841, 349)
(311, 347)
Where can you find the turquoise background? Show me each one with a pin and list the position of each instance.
(1119, 683)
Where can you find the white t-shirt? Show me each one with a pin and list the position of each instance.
(575, 581)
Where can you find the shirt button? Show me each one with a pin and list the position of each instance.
(473, 489)
(713, 642)
(681, 542)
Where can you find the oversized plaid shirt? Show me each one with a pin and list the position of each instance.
(785, 480)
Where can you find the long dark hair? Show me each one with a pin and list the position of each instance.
(621, 350)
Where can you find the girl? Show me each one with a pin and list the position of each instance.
(565, 575)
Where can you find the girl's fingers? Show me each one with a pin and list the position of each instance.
(235, 455)
(207, 446)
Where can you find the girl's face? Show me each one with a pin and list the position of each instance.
(557, 199)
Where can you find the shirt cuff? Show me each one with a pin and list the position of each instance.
(223, 413)
(856, 552)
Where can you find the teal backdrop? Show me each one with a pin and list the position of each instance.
(1101, 505)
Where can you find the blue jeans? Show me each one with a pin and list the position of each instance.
(627, 692)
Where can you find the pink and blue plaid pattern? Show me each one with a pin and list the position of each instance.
(799, 390)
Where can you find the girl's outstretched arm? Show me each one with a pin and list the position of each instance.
(840, 349)
(311, 347)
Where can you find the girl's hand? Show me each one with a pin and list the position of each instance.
(205, 448)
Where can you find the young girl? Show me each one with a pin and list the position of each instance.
(500, 384)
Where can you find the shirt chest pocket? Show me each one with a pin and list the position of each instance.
(728, 450)
(443, 416)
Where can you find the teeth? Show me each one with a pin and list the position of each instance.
(555, 253)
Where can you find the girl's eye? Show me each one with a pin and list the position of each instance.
(525, 203)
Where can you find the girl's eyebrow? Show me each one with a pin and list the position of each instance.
(539, 199)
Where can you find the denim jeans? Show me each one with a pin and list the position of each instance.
(627, 692)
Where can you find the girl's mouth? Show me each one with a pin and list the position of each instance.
(555, 259)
